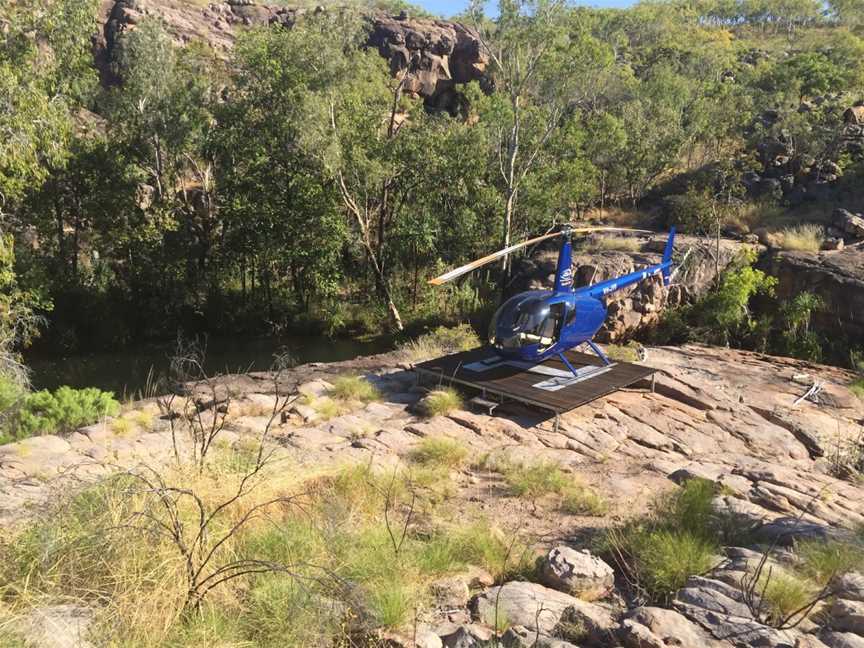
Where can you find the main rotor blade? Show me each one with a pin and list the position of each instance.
(465, 269)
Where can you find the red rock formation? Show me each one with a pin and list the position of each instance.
(438, 54)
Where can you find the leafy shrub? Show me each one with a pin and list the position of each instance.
(355, 388)
(441, 402)
(857, 387)
(64, 410)
(439, 451)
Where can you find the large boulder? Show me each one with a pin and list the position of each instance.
(540, 609)
(836, 277)
(847, 616)
(432, 55)
(577, 572)
(652, 627)
(849, 223)
(851, 586)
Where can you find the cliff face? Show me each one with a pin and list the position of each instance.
(437, 54)
(836, 276)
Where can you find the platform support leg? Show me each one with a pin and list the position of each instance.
(653, 380)
(568, 365)
(599, 353)
(557, 423)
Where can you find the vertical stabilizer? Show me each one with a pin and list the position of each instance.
(667, 257)
(564, 272)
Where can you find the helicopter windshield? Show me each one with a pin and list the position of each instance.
(525, 320)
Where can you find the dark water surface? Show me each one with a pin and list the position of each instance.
(126, 372)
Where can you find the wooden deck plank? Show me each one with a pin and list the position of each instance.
(518, 384)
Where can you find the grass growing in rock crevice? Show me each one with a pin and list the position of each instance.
(439, 451)
(541, 479)
(354, 388)
(680, 538)
(441, 402)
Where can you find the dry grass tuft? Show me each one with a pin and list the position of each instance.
(441, 341)
(802, 238)
(614, 243)
(441, 402)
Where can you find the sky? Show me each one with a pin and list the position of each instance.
(449, 8)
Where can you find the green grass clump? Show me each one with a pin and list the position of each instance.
(533, 480)
(354, 388)
(680, 538)
(804, 238)
(441, 402)
(623, 352)
(441, 341)
(669, 557)
(10, 393)
(579, 500)
(439, 451)
(857, 387)
(123, 427)
(783, 593)
(823, 560)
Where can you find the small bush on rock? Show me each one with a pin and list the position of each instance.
(580, 500)
(821, 561)
(63, 411)
(354, 388)
(441, 402)
(804, 238)
(784, 593)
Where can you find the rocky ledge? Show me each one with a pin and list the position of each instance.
(787, 465)
(437, 54)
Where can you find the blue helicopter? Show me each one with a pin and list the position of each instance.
(537, 324)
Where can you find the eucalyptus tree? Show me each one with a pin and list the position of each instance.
(543, 61)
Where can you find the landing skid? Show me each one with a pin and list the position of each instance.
(558, 378)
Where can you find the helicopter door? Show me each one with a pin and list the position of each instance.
(550, 329)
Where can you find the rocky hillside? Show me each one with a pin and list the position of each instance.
(437, 54)
(785, 469)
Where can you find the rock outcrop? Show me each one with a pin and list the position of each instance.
(434, 55)
(836, 276)
(722, 415)
(639, 307)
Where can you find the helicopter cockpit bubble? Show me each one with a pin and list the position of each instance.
(525, 319)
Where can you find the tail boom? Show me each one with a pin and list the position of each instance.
(600, 290)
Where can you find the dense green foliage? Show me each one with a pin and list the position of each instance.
(296, 185)
(45, 412)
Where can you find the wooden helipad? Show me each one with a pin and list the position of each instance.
(505, 381)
